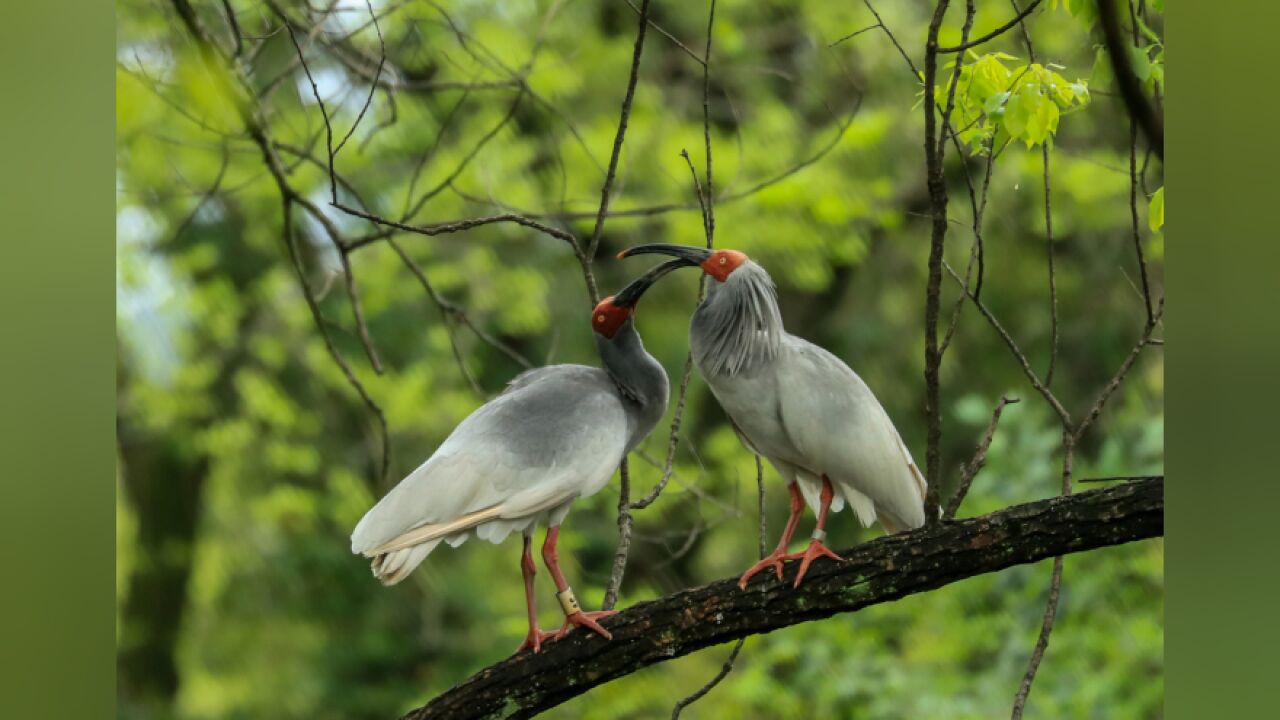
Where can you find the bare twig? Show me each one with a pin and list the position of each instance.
(702, 691)
(1055, 590)
(854, 34)
(706, 129)
(979, 459)
(585, 259)
(1048, 222)
(228, 78)
(1017, 353)
(234, 26)
(623, 117)
(623, 549)
(1042, 640)
(1116, 380)
(357, 310)
(449, 227)
(674, 40)
(966, 44)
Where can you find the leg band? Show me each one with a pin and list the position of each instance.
(819, 534)
(568, 601)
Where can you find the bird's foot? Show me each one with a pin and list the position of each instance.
(586, 620)
(533, 641)
(815, 550)
(772, 560)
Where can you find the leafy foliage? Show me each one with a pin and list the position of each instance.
(997, 102)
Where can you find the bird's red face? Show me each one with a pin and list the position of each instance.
(607, 317)
(722, 263)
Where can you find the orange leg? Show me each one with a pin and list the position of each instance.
(775, 558)
(816, 549)
(532, 641)
(574, 617)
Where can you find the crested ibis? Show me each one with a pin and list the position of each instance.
(798, 405)
(554, 435)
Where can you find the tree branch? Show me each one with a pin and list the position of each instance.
(879, 571)
(1127, 82)
(993, 34)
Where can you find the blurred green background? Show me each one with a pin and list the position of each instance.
(244, 459)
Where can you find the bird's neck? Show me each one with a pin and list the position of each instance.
(641, 380)
(738, 328)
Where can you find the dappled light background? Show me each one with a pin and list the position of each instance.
(246, 458)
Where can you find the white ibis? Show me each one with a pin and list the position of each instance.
(554, 435)
(798, 405)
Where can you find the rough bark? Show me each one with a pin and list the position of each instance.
(879, 571)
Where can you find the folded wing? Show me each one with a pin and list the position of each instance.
(555, 434)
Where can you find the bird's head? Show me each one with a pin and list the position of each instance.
(719, 264)
(613, 312)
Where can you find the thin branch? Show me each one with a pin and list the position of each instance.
(901, 50)
(373, 86)
(966, 44)
(585, 259)
(673, 440)
(1118, 478)
(340, 361)
(979, 459)
(1055, 590)
(674, 40)
(223, 70)
(623, 117)
(449, 227)
(1042, 640)
(1017, 353)
(702, 691)
(1116, 380)
(234, 26)
(854, 34)
(623, 549)
(1048, 223)
(357, 309)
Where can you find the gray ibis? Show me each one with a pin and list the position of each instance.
(798, 405)
(555, 434)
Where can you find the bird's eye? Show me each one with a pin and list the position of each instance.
(600, 318)
(723, 260)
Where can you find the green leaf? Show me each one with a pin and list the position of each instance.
(994, 105)
(1155, 211)
(1141, 64)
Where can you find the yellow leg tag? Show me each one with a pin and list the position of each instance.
(568, 601)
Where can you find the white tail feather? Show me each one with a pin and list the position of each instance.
(392, 567)
(427, 533)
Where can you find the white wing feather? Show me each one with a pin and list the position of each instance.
(839, 428)
(556, 434)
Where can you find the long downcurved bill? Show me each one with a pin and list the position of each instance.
(692, 255)
(630, 295)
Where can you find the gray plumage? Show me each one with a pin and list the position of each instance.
(793, 402)
(555, 434)
(737, 332)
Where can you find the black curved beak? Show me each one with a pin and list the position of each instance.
(690, 255)
(630, 295)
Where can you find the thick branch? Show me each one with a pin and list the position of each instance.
(879, 571)
(1140, 108)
